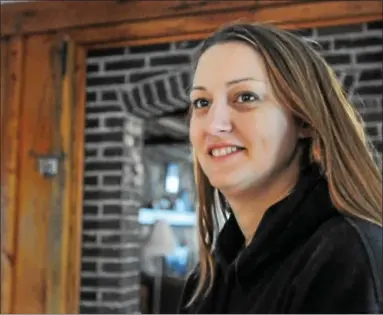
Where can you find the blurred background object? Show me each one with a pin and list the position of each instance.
(161, 243)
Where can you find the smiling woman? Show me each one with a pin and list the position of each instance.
(275, 137)
(240, 110)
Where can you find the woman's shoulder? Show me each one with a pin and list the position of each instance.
(342, 256)
(344, 234)
(370, 236)
(343, 237)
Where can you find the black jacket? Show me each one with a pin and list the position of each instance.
(305, 257)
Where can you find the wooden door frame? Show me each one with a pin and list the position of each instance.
(87, 27)
(9, 162)
(64, 216)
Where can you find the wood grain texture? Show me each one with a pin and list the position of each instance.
(4, 60)
(158, 19)
(77, 176)
(299, 15)
(42, 113)
(60, 109)
(37, 126)
(12, 63)
(5, 267)
(48, 234)
(72, 132)
(46, 16)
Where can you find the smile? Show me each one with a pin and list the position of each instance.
(219, 152)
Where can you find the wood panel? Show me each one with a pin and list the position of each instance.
(61, 109)
(12, 61)
(42, 112)
(47, 264)
(72, 130)
(58, 15)
(35, 197)
(5, 267)
(179, 17)
(299, 15)
(4, 60)
(65, 224)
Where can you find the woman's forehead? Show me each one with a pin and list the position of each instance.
(227, 62)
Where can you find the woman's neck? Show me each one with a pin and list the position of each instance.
(250, 206)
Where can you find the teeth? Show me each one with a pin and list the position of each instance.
(224, 151)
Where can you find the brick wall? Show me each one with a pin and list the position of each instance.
(355, 53)
(114, 168)
(112, 195)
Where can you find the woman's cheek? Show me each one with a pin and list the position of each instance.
(193, 133)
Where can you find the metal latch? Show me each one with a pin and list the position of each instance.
(48, 164)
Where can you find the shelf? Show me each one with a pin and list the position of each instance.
(174, 218)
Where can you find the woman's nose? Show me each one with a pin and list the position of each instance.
(219, 119)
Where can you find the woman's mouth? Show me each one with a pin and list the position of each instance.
(225, 151)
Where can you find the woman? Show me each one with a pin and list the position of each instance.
(275, 139)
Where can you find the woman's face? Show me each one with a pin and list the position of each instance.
(240, 133)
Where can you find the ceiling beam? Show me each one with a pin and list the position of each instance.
(140, 20)
(42, 16)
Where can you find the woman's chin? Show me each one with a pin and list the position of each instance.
(227, 185)
(239, 185)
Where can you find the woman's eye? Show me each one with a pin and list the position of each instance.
(247, 97)
(200, 103)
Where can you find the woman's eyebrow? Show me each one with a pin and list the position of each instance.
(202, 88)
(242, 80)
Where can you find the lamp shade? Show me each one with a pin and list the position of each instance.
(161, 241)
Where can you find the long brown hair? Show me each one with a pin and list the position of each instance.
(303, 81)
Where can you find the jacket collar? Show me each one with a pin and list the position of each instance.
(281, 229)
